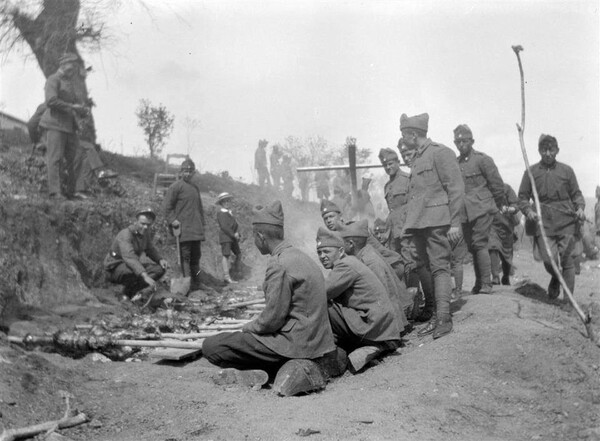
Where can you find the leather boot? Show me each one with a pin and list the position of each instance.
(553, 288)
(569, 276)
(506, 272)
(443, 326)
(495, 266)
(484, 266)
(429, 328)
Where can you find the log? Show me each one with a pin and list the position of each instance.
(245, 303)
(196, 335)
(161, 344)
(30, 431)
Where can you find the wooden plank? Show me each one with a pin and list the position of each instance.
(175, 354)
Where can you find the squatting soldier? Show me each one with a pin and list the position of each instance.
(183, 209)
(435, 205)
(123, 263)
(294, 323)
(562, 208)
(484, 196)
(260, 163)
(360, 311)
(355, 244)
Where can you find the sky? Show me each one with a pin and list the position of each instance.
(248, 70)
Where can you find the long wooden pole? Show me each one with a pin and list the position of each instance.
(585, 318)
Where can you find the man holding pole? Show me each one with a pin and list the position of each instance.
(562, 207)
(185, 215)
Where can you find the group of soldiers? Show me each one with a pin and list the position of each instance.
(281, 176)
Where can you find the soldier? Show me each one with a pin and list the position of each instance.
(229, 237)
(562, 208)
(484, 196)
(502, 237)
(355, 244)
(183, 209)
(274, 159)
(260, 163)
(360, 311)
(434, 210)
(322, 184)
(287, 176)
(395, 191)
(123, 262)
(382, 232)
(59, 121)
(294, 323)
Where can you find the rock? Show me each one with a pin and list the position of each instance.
(297, 377)
(97, 357)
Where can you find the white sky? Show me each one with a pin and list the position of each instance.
(268, 69)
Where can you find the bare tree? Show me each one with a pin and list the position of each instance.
(157, 123)
(190, 124)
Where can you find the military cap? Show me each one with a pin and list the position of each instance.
(328, 207)
(146, 211)
(326, 238)
(547, 140)
(462, 131)
(386, 155)
(356, 229)
(271, 214)
(379, 225)
(188, 164)
(68, 58)
(223, 197)
(420, 122)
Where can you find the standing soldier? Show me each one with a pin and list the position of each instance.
(395, 191)
(183, 209)
(59, 121)
(275, 166)
(322, 184)
(287, 176)
(484, 196)
(502, 237)
(562, 208)
(260, 163)
(435, 204)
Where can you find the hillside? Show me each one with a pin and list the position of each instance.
(516, 367)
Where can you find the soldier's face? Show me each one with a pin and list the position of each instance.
(548, 154)
(68, 69)
(464, 145)
(332, 220)
(409, 139)
(391, 167)
(329, 255)
(407, 155)
(260, 242)
(143, 223)
(186, 174)
(381, 235)
(349, 247)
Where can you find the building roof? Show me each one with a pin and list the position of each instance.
(12, 118)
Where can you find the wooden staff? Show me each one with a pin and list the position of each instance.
(585, 318)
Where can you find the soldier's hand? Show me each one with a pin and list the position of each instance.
(149, 280)
(532, 216)
(237, 236)
(164, 264)
(580, 214)
(454, 234)
(175, 224)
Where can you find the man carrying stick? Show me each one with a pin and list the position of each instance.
(294, 323)
(562, 209)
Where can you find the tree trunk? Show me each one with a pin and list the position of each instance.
(51, 34)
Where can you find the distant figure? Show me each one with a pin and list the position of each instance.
(304, 180)
(322, 184)
(360, 312)
(287, 176)
(59, 121)
(184, 212)
(502, 237)
(229, 237)
(562, 207)
(124, 264)
(260, 163)
(274, 159)
(294, 323)
(382, 232)
(484, 196)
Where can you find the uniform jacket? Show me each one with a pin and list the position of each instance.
(260, 159)
(396, 289)
(228, 226)
(435, 195)
(396, 196)
(484, 189)
(59, 93)
(129, 246)
(295, 322)
(183, 203)
(33, 125)
(559, 194)
(363, 299)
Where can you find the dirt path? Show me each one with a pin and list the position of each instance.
(515, 368)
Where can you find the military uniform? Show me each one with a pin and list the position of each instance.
(260, 164)
(560, 197)
(435, 203)
(124, 263)
(396, 197)
(484, 195)
(294, 323)
(360, 310)
(502, 237)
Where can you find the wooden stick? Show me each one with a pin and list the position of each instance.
(196, 335)
(585, 318)
(30, 431)
(161, 344)
(245, 303)
(228, 321)
(219, 327)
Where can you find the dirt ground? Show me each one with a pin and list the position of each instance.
(516, 367)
